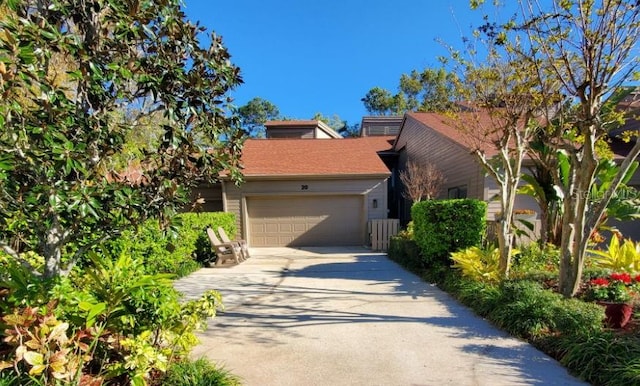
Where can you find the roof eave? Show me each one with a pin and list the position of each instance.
(316, 176)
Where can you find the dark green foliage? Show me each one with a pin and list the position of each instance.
(179, 252)
(524, 308)
(255, 113)
(527, 310)
(604, 358)
(198, 373)
(568, 329)
(405, 252)
(444, 226)
(79, 79)
(482, 297)
(427, 90)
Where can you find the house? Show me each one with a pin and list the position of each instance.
(300, 129)
(309, 192)
(305, 185)
(429, 137)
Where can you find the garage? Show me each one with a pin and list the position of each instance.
(297, 221)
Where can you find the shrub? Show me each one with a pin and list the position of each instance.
(405, 252)
(525, 309)
(480, 296)
(444, 226)
(481, 264)
(178, 252)
(532, 257)
(123, 325)
(198, 373)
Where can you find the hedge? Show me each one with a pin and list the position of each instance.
(445, 226)
(179, 253)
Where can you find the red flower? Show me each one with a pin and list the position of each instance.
(600, 281)
(623, 277)
(637, 279)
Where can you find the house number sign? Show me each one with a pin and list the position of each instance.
(304, 187)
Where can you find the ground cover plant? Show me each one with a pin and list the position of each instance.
(529, 305)
(110, 322)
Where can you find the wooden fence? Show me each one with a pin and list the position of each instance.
(381, 232)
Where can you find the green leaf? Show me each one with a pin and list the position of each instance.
(33, 358)
(564, 167)
(96, 309)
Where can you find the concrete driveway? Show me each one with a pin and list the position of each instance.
(347, 316)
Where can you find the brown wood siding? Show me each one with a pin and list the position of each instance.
(421, 144)
(291, 133)
(212, 195)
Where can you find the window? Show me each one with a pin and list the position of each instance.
(457, 192)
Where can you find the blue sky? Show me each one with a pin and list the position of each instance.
(309, 56)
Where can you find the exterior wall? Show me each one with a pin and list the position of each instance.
(380, 125)
(373, 189)
(212, 195)
(522, 201)
(291, 133)
(421, 144)
(321, 134)
(630, 229)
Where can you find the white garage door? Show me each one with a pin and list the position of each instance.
(305, 221)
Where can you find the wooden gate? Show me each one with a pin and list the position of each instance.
(381, 232)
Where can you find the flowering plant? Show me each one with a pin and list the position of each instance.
(618, 287)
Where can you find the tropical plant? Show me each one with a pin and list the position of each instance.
(534, 258)
(540, 186)
(41, 347)
(482, 264)
(119, 323)
(478, 264)
(619, 258)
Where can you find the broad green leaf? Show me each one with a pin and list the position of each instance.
(564, 167)
(33, 358)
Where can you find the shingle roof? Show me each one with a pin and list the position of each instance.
(314, 157)
(469, 140)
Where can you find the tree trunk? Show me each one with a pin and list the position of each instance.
(545, 226)
(509, 190)
(505, 243)
(52, 250)
(575, 230)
